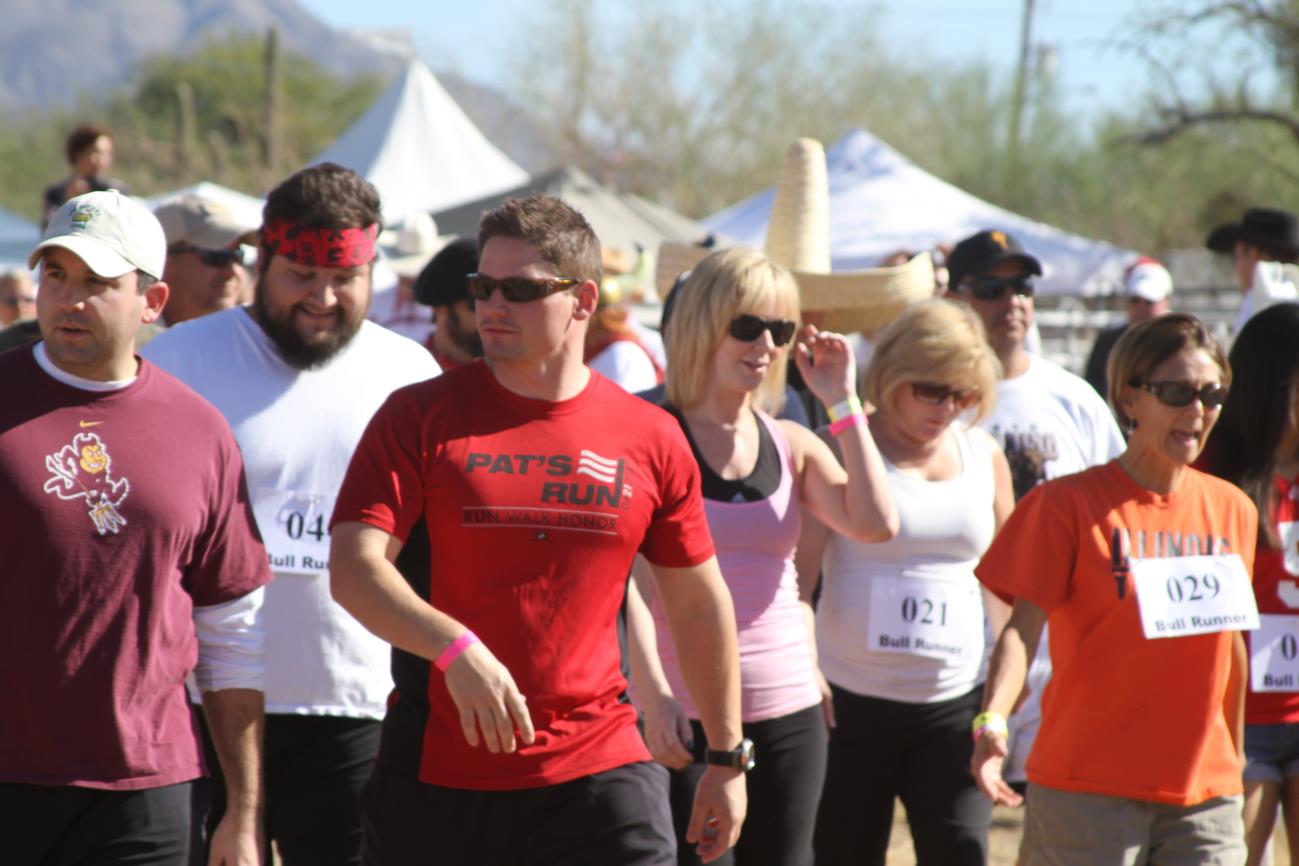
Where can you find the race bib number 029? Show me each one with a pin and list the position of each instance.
(1189, 595)
(933, 618)
(295, 529)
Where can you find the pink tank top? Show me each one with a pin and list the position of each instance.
(755, 547)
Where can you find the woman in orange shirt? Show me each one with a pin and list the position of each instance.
(1142, 567)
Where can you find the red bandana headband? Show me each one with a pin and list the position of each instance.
(319, 247)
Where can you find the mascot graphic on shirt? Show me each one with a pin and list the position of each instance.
(83, 470)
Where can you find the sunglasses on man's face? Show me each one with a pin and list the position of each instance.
(995, 288)
(937, 395)
(213, 258)
(1179, 394)
(747, 328)
(517, 289)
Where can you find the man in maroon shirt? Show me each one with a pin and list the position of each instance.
(539, 480)
(131, 561)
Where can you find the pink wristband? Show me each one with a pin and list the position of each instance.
(454, 649)
(843, 424)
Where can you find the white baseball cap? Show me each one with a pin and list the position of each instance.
(1148, 280)
(112, 233)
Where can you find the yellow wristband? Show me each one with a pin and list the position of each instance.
(994, 722)
(844, 409)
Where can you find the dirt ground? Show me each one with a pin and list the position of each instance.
(1003, 839)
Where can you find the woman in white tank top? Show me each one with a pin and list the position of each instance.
(900, 625)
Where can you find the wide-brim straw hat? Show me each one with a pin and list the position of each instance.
(798, 237)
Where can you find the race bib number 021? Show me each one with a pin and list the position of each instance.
(1189, 595)
(295, 529)
(932, 618)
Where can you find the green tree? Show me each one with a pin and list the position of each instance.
(201, 117)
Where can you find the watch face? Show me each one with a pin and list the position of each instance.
(747, 755)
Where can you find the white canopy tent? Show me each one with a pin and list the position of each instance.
(880, 203)
(17, 238)
(421, 151)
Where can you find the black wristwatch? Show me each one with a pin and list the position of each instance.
(740, 758)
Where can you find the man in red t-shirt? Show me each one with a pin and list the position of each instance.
(539, 481)
(131, 562)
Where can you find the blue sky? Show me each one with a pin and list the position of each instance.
(1083, 35)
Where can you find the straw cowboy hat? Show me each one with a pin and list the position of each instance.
(798, 237)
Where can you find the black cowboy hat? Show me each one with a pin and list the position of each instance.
(1274, 230)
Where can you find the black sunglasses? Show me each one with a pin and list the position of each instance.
(213, 258)
(748, 328)
(995, 288)
(937, 395)
(1179, 394)
(517, 289)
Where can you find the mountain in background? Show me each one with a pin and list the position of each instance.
(54, 52)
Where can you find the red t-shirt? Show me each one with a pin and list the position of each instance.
(1124, 716)
(1276, 589)
(534, 512)
(122, 511)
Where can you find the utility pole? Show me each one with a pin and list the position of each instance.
(1021, 87)
(271, 135)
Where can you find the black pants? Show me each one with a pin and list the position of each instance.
(615, 818)
(316, 768)
(783, 789)
(884, 749)
(61, 826)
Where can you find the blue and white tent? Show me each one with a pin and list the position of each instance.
(17, 237)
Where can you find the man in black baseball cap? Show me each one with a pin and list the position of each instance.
(444, 286)
(1048, 421)
(993, 273)
(1261, 235)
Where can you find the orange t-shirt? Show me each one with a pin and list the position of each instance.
(1124, 716)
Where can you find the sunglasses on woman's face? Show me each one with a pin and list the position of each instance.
(937, 395)
(747, 328)
(1179, 394)
(517, 289)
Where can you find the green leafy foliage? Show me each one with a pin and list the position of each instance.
(201, 117)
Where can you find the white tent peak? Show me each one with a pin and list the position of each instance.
(420, 150)
(881, 202)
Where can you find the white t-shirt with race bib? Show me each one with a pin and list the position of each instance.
(297, 430)
(903, 620)
(1050, 423)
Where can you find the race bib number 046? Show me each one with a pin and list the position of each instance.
(933, 618)
(295, 529)
(1189, 595)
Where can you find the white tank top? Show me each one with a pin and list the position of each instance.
(945, 526)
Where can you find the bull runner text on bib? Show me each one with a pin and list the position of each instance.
(295, 529)
(935, 618)
(1189, 595)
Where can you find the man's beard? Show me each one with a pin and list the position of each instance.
(467, 339)
(297, 351)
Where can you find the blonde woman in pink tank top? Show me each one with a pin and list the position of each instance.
(733, 321)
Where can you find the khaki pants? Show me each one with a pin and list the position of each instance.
(1062, 828)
